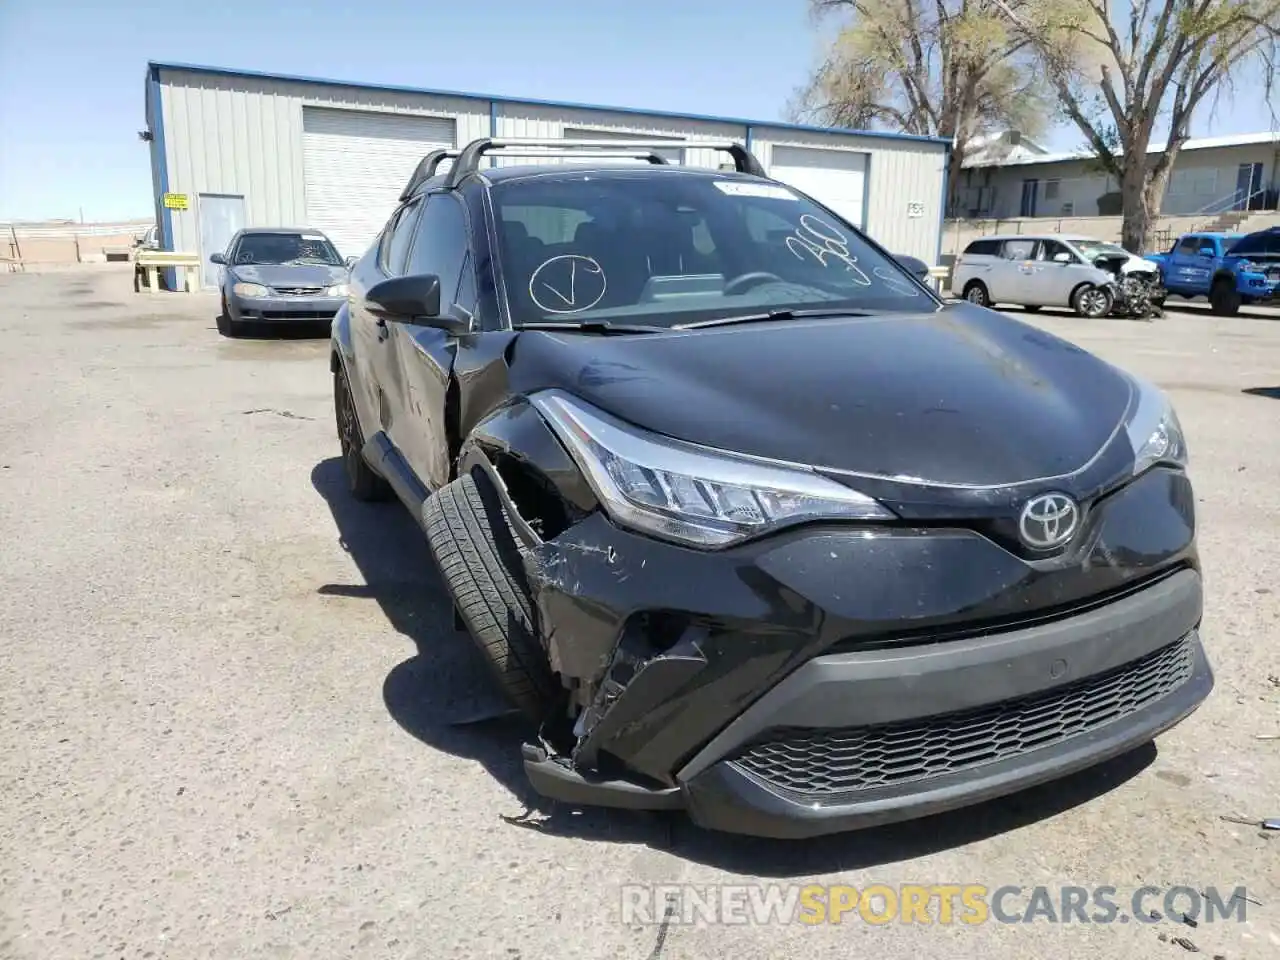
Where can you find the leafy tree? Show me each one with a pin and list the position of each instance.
(947, 68)
(1121, 69)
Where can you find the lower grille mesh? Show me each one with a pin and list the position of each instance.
(823, 764)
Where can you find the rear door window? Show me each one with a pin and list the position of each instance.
(983, 248)
(1019, 249)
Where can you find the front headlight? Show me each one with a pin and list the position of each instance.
(250, 290)
(695, 495)
(1154, 431)
(336, 290)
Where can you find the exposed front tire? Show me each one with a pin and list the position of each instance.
(1092, 302)
(1224, 298)
(975, 291)
(363, 483)
(226, 326)
(471, 541)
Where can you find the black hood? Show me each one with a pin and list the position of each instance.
(964, 396)
(290, 274)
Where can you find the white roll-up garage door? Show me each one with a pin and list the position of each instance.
(835, 178)
(355, 163)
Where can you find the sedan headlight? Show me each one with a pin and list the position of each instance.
(336, 290)
(688, 493)
(250, 290)
(1154, 431)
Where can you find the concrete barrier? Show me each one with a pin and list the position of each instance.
(186, 266)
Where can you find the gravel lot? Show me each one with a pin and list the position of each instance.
(230, 696)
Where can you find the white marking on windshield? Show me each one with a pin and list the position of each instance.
(823, 242)
(895, 282)
(565, 280)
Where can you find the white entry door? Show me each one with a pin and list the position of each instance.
(835, 178)
(355, 163)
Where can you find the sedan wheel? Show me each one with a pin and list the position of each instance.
(1093, 302)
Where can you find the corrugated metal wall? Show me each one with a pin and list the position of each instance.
(243, 135)
(900, 173)
(521, 120)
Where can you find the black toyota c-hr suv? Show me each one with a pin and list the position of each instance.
(746, 519)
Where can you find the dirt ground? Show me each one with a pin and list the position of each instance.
(232, 704)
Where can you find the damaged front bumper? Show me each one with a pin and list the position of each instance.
(832, 677)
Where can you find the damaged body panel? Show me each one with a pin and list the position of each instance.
(768, 532)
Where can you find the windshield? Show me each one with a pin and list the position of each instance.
(286, 248)
(675, 248)
(1099, 248)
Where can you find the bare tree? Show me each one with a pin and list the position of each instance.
(947, 68)
(1121, 69)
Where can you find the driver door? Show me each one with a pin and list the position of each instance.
(425, 354)
(1055, 279)
(377, 385)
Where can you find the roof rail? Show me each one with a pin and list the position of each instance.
(468, 161)
(425, 170)
(647, 155)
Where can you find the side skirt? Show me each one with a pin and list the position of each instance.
(383, 456)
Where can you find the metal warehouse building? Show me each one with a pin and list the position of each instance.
(231, 149)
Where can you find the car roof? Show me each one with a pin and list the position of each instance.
(250, 231)
(520, 171)
(1070, 237)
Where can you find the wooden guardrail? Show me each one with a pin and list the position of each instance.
(187, 265)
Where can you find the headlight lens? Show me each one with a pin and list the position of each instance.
(250, 290)
(1154, 430)
(691, 494)
(336, 290)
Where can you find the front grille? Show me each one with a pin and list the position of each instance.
(825, 764)
(299, 291)
(297, 314)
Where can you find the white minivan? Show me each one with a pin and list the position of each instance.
(1050, 270)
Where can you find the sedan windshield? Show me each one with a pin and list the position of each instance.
(671, 248)
(286, 248)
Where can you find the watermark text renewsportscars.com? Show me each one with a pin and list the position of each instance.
(925, 904)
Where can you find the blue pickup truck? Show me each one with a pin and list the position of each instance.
(1230, 269)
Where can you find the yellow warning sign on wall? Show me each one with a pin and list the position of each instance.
(175, 201)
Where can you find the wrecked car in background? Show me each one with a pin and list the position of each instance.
(743, 517)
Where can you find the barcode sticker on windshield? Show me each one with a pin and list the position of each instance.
(738, 188)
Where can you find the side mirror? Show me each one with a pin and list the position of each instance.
(914, 266)
(351, 262)
(1062, 258)
(218, 258)
(413, 299)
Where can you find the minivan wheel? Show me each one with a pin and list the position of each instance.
(1093, 302)
(363, 483)
(976, 292)
(472, 543)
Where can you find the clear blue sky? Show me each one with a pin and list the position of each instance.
(72, 71)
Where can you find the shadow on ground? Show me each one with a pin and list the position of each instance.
(437, 694)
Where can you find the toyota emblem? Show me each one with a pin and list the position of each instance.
(1048, 521)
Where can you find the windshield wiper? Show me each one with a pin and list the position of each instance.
(771, 315)
(591, 326)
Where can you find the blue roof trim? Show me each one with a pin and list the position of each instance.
(156, 65)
